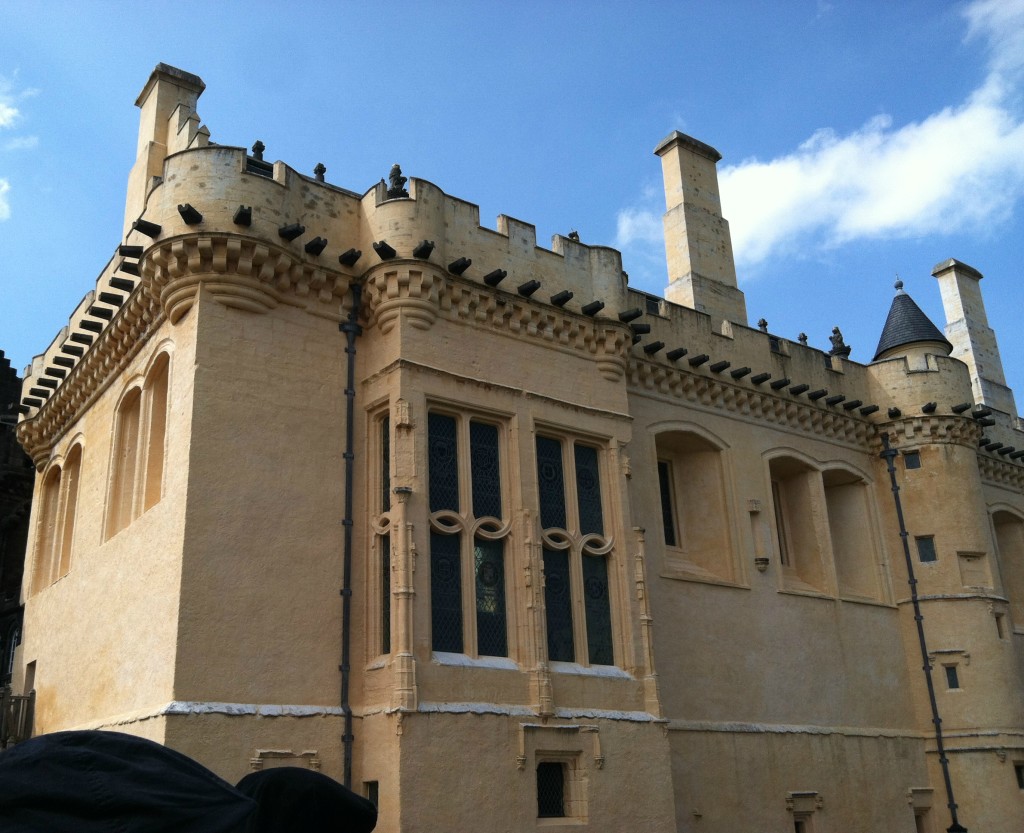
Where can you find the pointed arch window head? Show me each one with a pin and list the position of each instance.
(139, 453)
(575, 552)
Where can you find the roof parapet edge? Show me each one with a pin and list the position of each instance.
(695, 145)
(176, 76)
(960, 266)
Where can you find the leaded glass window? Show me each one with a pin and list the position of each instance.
(467, 549)
(558, 601)
(550, 790)
(550, 483)
(444, 469)
(576, 552)
(489, 565)
(446, 592)
(598, 609)
(483, 445)
(588, 490)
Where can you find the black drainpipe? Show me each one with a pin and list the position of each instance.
(352, 330)
(889, 454)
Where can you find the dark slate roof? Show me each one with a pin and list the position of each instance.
(907, 324)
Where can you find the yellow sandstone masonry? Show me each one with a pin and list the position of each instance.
(616, 561)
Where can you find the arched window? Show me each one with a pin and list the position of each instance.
(137, 465)
(69, 509)
(576, 552)
(797, 498)
(853, 538)
(156, 394)
(47, 530)
(120, 507)
(696, 522)
(58, 506)
(1009, 533)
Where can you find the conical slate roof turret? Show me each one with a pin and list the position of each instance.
(907, 324)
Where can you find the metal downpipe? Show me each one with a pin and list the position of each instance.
(889, 455)
(352, 330)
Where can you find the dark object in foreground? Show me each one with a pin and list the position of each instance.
(95, 782)
(296, 800)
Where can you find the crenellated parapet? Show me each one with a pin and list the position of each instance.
(938, 429)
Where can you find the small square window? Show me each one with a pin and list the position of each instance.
(912, 459)
(775, 344)
(653, 306)
(926, 549)
(1019, 770)
(550, 790)
(371, 790)
(952, 678)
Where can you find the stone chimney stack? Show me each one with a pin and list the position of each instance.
(974, 342)
(701, 271)
(168, 123)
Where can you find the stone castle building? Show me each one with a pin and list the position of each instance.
(15, 504)
(346, 480)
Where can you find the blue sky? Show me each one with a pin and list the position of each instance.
(860, 139)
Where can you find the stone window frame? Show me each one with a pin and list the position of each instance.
(1009, 559)
(804, 518)
(138, 453)
(799, 516)
(468, 527)
(577, 746)
(716, 562)
(867, 581)
(579, 545)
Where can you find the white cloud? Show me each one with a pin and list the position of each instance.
(8, 112)
(636, 225)
(957, 169)
(9, 98)
(5, 206)
(10, 115)
(20, 143)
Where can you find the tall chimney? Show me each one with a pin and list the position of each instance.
(974, 342)
(167, 89)
(701, 271)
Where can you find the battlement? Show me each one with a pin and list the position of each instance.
(313, 239)
(283, 236)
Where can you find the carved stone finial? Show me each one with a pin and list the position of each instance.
(257, 150)
(762, 325)
(397, 186)
(839, 347)
(319, 171)
(574, 235)
(802, 338)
